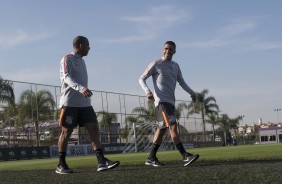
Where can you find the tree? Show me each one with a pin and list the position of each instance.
(129, 120)
(226, 123)
(106, 120)
(179, 109)
(7, 119)
(203, 106)
(143, 118)
(6, 91)
(7, 97)
(7, 114)
(213, 119)
(123, 133)
(146, 114)
(35, 108)
(177, 113)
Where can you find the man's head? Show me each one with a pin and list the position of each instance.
(169, 50)
(81, 45)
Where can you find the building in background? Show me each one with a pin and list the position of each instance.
(270, 133)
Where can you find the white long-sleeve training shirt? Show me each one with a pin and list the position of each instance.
(74, 78)
(165, 74)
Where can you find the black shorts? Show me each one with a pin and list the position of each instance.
(70, 117)
(165, 112)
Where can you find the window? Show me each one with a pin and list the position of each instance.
(272, 138)
(263, 138)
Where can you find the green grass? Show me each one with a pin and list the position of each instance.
(234, 164)
(210, 154)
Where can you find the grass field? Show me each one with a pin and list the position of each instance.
(234, 164)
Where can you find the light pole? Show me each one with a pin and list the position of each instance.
(277, 110)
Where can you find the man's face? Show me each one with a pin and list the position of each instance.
(168, 51)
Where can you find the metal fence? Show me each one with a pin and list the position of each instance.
(117, 103)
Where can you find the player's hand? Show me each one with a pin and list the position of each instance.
(86, 92)
(194, 97)
(150, 96)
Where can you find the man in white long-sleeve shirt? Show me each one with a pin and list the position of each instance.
(165, 74)
(76, 109)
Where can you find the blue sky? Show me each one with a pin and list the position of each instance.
(231, 48)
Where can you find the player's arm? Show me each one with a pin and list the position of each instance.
(70, 81)
(184, 85)
(142, 80)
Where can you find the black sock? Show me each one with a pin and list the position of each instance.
(181, 149)
(62, 158)
(155, 148)
(99, 155)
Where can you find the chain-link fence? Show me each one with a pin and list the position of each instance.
(31, 120)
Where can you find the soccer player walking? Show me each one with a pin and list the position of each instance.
(165, 74)
(76, 109)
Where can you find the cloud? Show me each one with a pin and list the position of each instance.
(240, 33)
(265, 46)
(235, 28)
(20, 37)
(225, 35)
(155, 22)
(130, 39)
(206, 44)
(42, 75)
(159, 17)
(239, 89)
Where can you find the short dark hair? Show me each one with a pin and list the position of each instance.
(78, 40)
(171, 43)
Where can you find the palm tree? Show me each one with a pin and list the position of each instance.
(177, 113)
(7, 96)
(213, 119)
(6, 91)
(226, 123)
(179, 109)
(35, 107)
(141, 117)
(124, 132)
(203, 106)
(7, 119)
(146, 114)
(106, 120)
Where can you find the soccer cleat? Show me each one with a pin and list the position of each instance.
(190, 158)
(107, 164)
(63, 169)
(154, 162)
